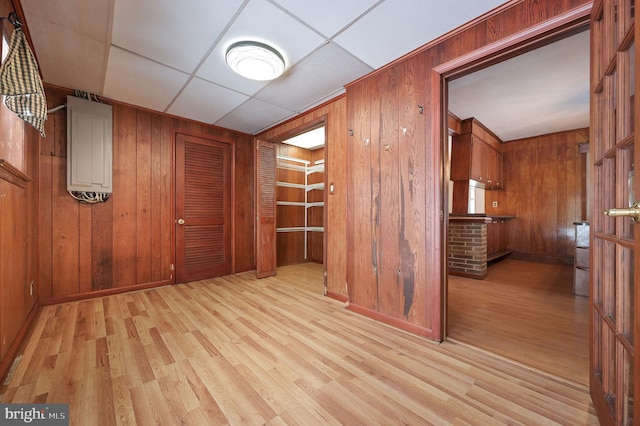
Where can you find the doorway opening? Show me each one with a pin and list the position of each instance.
(523, 306)
(300, 198)
(300, 201)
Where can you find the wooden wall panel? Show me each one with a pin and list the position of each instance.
(505, 22)
(124, 196)
(363, 194)
(65, 233)
(394, 203)
(544, 187)
(245, 216)
(334, 115)
(102, 243)
(385, 171)
(127, 241)
(45, 227)
(19, 236)
(414, 196)
(144, 208)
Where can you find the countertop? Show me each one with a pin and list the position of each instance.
(480, 215)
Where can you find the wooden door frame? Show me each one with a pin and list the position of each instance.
(573, 21)
(174, 192)
(302, 128)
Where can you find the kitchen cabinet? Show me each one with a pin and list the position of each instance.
(495, 169)
(476, 154)
(497, 245)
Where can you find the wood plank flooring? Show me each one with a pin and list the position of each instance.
(237, 350)
(524, 311)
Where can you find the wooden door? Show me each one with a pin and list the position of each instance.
(266, 209)
(614, 285)
(478, 166)
(203, 208)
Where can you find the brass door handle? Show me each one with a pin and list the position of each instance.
(180, 221)
(632, 212)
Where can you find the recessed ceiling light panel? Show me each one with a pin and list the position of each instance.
(255, 60)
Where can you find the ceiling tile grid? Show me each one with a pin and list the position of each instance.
(396, 27)
(138, 81)
(295, 92)
(176, 34)
(253, 115)
(204, 101)
(328, 17)
(169, 56)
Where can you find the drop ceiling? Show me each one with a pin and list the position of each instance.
(543, 91)
(168, 56)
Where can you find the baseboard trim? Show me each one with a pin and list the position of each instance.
(393, 321)
(101, 293)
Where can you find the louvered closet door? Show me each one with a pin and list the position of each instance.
(615, 239)
(266, 208)
(203, 208)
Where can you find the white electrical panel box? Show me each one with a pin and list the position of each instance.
(89, 145)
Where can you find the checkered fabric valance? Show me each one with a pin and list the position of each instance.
(20, 83)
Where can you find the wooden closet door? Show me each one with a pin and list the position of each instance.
(614, 243)
(203, 208)
(266, 208)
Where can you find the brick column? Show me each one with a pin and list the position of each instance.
(468, 247)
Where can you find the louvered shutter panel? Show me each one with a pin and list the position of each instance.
(266, 208)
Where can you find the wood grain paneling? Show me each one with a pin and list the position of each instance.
(19, 236)
(362, 204)
(334, 115)
(127, 241)
(544, 188)
(392, 202)
(373, 184)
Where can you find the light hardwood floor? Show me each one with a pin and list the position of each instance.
(237, 350)
(526, 312)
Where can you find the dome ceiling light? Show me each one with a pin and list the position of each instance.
(255, 60)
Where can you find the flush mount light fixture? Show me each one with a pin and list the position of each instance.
(255, 60)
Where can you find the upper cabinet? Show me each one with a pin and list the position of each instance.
(476, 154)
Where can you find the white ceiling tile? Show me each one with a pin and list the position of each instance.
(216, 69)
(294, 91)
(327, 16)
(78, 61)
(139, 81)
(205, 101)
(538, 88)
(80, 17)
(72, 44)
(177, 34)
(260, 21)
(254, 116)
(397, 27)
